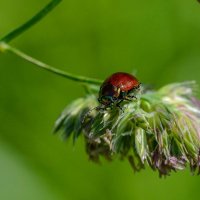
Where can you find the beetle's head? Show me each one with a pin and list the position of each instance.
(105, 100)
(108, 94)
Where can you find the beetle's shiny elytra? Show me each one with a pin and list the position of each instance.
(118, 87)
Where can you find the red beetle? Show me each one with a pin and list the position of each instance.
(118, 87)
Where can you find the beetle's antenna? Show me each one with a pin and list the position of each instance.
(88, 113)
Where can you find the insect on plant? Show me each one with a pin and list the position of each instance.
(160, 129)
(118, 87)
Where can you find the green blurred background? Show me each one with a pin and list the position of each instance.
(158, 39)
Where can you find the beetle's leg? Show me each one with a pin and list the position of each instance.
(113, 100)
(100, 99)
(126, 96)
(130, 97)
(118, 105)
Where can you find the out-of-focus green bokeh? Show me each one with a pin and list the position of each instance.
(158, 39)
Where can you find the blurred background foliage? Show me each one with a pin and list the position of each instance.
(158, 39)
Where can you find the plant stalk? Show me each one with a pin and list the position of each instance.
(40, 15)
(5, 47)
(21, 29)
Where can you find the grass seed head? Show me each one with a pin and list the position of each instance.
(160, 129)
